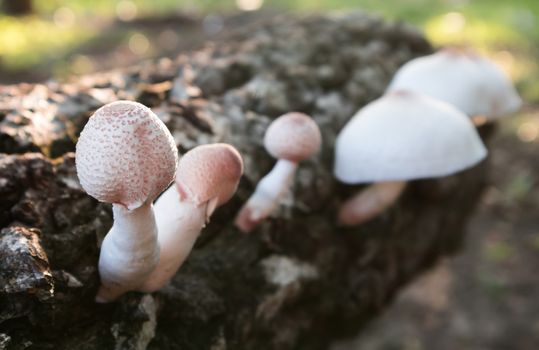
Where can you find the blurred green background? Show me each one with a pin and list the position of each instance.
(60, 37)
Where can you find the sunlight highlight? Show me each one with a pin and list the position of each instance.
(126, 10)
(453, 22)
(455, 29)
(139, 44)
(506, 61)
(31, 40)
(249, 5)
(527, 132)
(64, 17)
(82, 64)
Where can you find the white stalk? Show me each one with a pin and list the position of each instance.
(179, 224)
(370, 202)
(129, 252)
(267, 195)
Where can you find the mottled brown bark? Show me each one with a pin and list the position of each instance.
(298, 281)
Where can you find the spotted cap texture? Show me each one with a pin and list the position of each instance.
(293, 136)
(209, 171)
(125, 155)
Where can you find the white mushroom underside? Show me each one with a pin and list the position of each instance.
(404, 137)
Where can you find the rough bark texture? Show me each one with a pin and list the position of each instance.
(298, 281)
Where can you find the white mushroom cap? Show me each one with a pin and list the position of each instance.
(125, 155)
(503, 96)
(404, 136)
(461, 78)
(293, 136)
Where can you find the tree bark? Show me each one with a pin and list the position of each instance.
(17, 7)
(298, 281)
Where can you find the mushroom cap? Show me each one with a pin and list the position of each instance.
(462, 78)
(209, 171)
(125, 155)
(504, 99)
(293, 136)
(405, 136)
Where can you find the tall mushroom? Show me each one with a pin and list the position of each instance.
(462, 78)
(400, 137)
(207, 178)
(126, 156)
(291, 138)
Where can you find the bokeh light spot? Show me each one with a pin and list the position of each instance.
(139, 44)
(249, 5)
(453, 22)
(82, 64)
(64, 17)
(126, 10)
(506, 61)
(527, 132)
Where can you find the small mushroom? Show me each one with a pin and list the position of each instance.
(207, 178)
(462, 78)
(291, 138)
(401, 136)
(126, 156)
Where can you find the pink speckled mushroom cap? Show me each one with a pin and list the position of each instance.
(125, 155)
(293, 136)
(209, 171)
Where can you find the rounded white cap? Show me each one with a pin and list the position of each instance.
(404, 136)
(499, 90)
(125, 155)
(461, 78)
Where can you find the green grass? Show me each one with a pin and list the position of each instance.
(33, 41)
(493, 26)
(498, 252)
(154, 7)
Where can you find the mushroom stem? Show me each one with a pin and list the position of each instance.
(179, 224)
(479, 120)
(267, 195)
(370, 202)
(129, 252)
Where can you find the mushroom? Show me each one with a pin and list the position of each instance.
(401, 136)
(291, 138)
(462, 78)
(126, 156)
(207, 178)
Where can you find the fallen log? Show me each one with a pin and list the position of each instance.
(298, 281)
